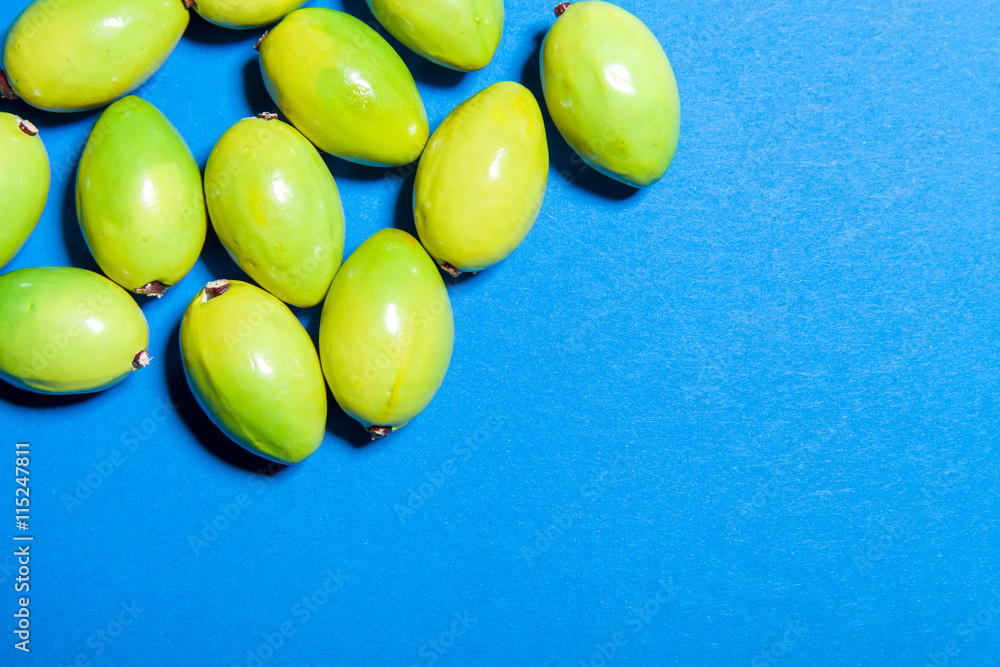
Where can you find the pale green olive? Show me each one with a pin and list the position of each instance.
(386, 332)
(344, 87)
(139, 198)
(254, 371)
(276, 208)
(73, 55)
(68, 331)
(611, 91)
(24, 183)
(481, 180)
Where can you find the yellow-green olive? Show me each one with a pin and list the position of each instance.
(24, 183)
(611, 91)
(344, 87)
(386, 332)
(254, 370)
(68, 331)
(73, 55)
(242, 14)
(460, 34)
(139, 198)
(276, 208)
(481, 180)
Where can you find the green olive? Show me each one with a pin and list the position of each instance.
(344, 87)
(481, 179)
(73, 55)
(24, 174)
(254, 371)
(139, 198)
(242, 14)
(460, 34)
(68, 331)
(386, 332)
(276, 209)
(611, 92)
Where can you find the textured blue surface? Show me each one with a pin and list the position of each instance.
(746, 417)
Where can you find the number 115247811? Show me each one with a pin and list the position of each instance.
(22, 493)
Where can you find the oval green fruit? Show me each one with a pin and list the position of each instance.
(254, 371)
(481, 179)
(68, 331)
(611, 92)
(344, 87)
(242, 14)
(460, 34)
(24, 183)
(73, 55)
(139, 198)
(386, 332)
(276, 209)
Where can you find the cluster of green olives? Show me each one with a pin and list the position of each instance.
(143, 205)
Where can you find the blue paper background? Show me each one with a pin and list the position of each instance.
(768, 382)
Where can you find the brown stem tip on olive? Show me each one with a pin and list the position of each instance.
(267, 115)
(451, 270)
(6, 92)
(191, 4)
(155, 288)
(377, 432)
(214, 289)
(561, 7)
(28, 127)
(259, 41)
(141, 360)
